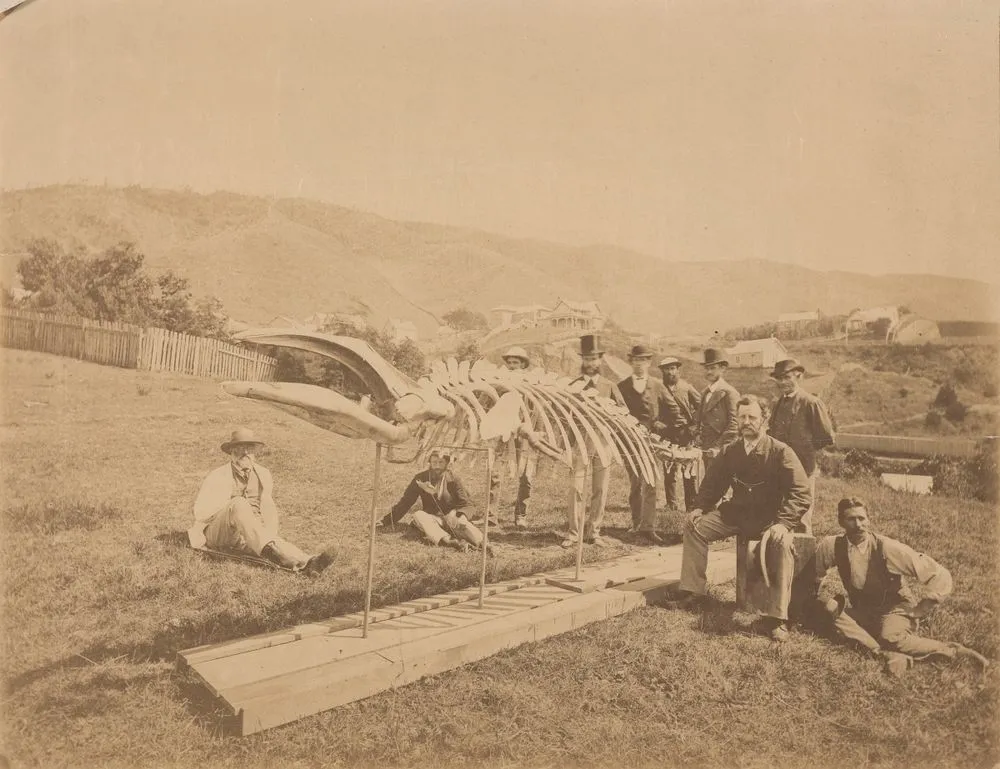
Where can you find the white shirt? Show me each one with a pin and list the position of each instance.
(639, 384)
(858, 556)
(750, 446)
(713, 386)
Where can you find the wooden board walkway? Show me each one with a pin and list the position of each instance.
(275, 678)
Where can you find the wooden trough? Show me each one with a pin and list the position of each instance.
(275, 678)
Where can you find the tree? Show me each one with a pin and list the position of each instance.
(464, 319)
(469, 351)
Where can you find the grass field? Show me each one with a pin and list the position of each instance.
(100, 467)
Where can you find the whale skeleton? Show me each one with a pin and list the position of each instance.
(462, 406)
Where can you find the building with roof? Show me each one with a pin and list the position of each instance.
(585, 316)
(510, 315)
(757, 353)
(794, 323)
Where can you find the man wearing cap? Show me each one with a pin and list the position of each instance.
(801, 420)
(647, 400)
(717, 417)
(770, 494)
(235, 510)
(442, 518)
(680, 481)
(879, 613)
(526, 461)
(592, 379)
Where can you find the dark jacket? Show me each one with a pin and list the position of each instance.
(604, 386)
(802, 421)
(653, 407)
(717, 416)
(688, 402)
(453, 497)
(769, 486)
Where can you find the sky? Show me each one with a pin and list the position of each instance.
(832, 134)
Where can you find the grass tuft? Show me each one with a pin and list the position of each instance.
(46, 518)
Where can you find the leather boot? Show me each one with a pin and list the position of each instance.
(272, 551)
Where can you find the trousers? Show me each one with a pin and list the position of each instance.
(239, 527)
(888, 628)
(435, 528)
(642, 502)
(679, 490)
(527, 463)
(694, 562)
(591, 514)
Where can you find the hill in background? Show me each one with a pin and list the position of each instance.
(268, 257)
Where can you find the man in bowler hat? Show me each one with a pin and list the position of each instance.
(647, 400)
(717, 426)
(590, 374)
(801, 420)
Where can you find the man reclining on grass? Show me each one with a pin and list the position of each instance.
(441, 518)
(235, 510)
(879, 612)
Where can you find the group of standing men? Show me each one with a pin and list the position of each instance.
(675, 411)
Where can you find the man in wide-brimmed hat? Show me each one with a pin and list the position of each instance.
(526, 461)
(680, 480)
(581, 514)
(717, 417)
(235, 510)
(442, 518)
(801, 420)
(647, 400)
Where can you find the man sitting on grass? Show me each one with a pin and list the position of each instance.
(441, 518)
(879, 612)
(235, 510)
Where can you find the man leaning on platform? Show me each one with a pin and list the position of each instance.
(770, 493)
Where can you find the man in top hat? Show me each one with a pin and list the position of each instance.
(526, 461)
(801, 420)
(235, 510)
(680, 482)
(590, 374)
(647, 400)
(442, 518)
(717, 426)
(880, 613)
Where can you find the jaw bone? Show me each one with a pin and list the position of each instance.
(458, 404)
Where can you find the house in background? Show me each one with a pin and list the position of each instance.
(862, 321)
(916, 330)
(795, 323)
(757, 353)
(509, 315)
(585, 316)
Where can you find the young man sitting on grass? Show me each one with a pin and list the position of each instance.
(235, 510)
(880, 613)
(441, 519)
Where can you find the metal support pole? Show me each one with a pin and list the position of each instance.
(371, 539)
(486, 525)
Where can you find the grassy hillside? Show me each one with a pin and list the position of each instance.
(265, 257)
(100, 466)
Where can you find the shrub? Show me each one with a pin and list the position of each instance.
(946, 396)
(904, 391)
(956, 412)
(933, 419)
(990, 390)
(975, 478)
(859, 463)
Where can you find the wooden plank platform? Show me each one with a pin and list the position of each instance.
(274, 678)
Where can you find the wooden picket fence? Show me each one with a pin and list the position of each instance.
(128, 346)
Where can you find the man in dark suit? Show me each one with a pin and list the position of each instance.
(647, 400)
(770, 495)
(717, 416)
(680, 480)
(801, 420)
(442, 518)
(591, 356)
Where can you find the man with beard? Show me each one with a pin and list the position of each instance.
(770, 494)
(680, 482)
(235, 510)
(717, 416)
(590, 374)
(441, 519)
(801, 420)
(880, 613)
